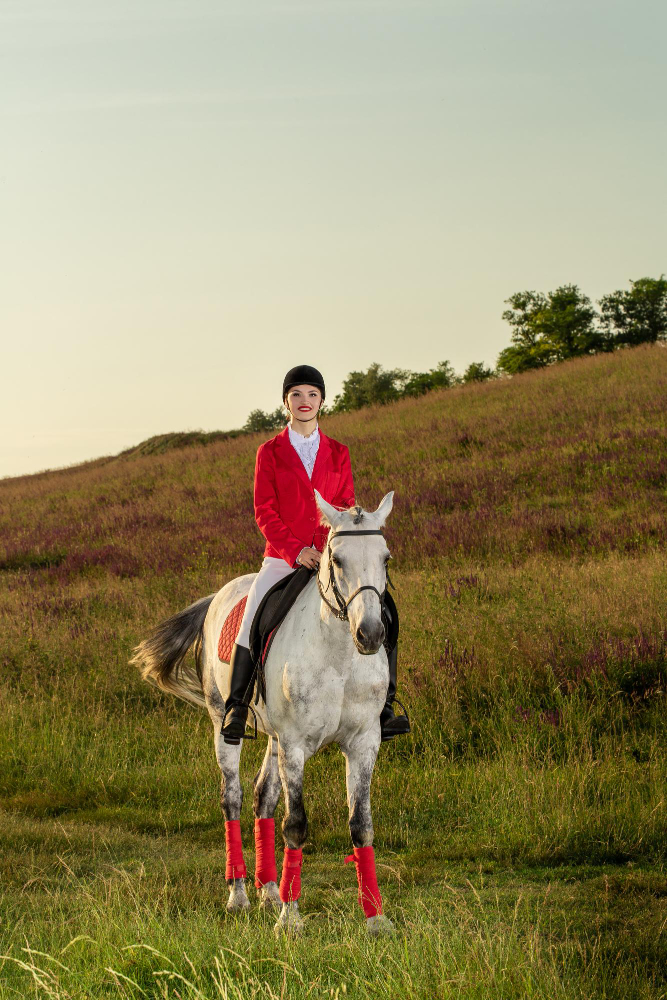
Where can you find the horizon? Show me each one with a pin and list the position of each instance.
(196, 197)
(499, 379)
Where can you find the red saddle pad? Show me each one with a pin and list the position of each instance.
(230, 630)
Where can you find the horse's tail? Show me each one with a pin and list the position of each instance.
(160, 656)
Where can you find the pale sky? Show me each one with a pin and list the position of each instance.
(197, 195)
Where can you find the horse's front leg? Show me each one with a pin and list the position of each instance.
(291, 760)
(360, 755)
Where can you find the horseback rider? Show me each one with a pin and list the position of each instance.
(287, 469)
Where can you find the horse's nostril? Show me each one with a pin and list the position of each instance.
(369, 635)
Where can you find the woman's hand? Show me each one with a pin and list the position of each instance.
(310, 558)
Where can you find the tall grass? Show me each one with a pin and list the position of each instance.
(520, 829)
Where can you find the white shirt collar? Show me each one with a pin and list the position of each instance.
(299, 441)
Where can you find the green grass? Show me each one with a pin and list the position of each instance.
(126, 913)
(520, 830)
(516, 858)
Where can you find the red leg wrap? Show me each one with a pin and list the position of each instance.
(290, 881)
(265, 852)
(369, 894)
(235, 863)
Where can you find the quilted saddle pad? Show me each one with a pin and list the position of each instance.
(230, 629)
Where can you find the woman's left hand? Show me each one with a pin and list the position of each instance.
(308, 557)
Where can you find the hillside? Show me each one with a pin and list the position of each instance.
(568, 460)
(520, 828)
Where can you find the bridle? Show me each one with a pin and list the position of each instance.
(341, 611)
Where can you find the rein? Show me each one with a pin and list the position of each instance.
(341, 611)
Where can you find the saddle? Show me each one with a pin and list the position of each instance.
(272, 610)
(270, 614)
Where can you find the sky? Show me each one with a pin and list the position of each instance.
(196, 195)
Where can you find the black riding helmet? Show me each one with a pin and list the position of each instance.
(303, 375)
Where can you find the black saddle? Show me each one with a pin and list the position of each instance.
(272, 612)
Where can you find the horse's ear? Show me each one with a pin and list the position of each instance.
(384, 510)
(329, 514)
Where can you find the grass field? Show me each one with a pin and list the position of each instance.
(520, 831)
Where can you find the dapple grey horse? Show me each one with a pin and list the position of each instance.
(326, 681)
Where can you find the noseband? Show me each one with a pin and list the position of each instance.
(341, 611)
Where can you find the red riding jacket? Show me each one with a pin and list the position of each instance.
(285, 507)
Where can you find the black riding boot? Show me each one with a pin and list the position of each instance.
(236, 706)
(392, 725)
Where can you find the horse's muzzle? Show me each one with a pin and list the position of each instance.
(368, 637)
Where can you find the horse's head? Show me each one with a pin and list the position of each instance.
(353, 570)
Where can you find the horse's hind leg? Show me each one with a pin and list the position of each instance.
(360, 756)
(267, 793)
(291, 760)
(231, 798)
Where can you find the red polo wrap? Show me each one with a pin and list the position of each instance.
(369, 893)
(265, 852)
(235, 863)
(290, 880)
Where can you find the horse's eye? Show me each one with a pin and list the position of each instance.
(335, 560)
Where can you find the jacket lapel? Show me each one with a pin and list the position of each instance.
(321, 462)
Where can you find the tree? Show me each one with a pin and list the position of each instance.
(549, 328)
(637, 316)
(261, 421)
(527, 350)
(441, 377)
(476, 372)
(569, 324)
(372, 386)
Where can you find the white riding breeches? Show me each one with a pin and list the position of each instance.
(270, 572)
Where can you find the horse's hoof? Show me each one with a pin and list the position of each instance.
(289, 921)
(238, 906)
(269, 897)
(379, 926)
(238, 898)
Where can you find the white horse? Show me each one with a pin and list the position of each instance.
(326, 682)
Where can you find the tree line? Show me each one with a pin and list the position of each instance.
(546, 328)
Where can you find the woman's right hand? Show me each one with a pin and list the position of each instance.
(308, 557)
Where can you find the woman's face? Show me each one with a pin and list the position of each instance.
(303, 401)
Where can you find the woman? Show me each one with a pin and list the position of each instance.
(288, 468)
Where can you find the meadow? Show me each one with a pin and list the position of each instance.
(520, 829)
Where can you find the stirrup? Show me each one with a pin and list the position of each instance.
(391, 736)
(235, 740)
